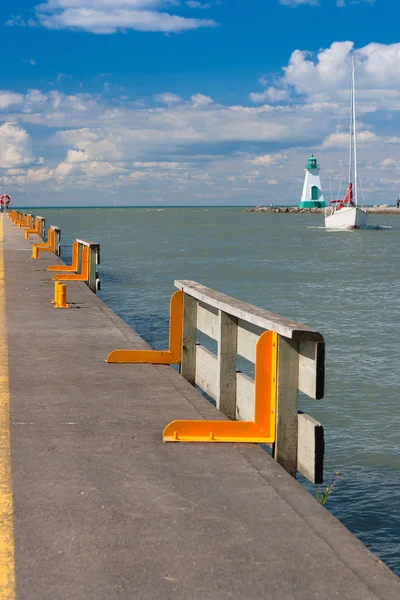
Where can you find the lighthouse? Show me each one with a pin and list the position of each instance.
(312, 196)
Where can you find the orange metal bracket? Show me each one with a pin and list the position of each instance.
(27, 232)
(49, 243)
(24, 222)
(84, 276)
(262, 430)
(66, 268)
(46, 246)
(35, 229)
(172, 356)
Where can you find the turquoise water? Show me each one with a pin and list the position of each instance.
(345, 284)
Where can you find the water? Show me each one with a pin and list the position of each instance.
(345, 284)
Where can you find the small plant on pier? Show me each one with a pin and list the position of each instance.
(323, 495)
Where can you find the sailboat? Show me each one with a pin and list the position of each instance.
(346, 213)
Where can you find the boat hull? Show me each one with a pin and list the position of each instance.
(349, 217)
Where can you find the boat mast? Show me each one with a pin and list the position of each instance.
(350, 179)
(354, 131)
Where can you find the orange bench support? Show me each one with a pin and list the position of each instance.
(83, 276)
(262, 430)
(48, 246)
(34, 230)
(172, 356)
(24, 222)
(68, 268)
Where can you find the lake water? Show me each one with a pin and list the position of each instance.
(345, 284)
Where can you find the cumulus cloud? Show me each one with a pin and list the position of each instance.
(77, 156)
(110, 16)
(268, 160)
(79, 175)
(321, 81)
(91, 145)
(168, 98)
(160, 165)
(195, 4)
(298, 2)
(200, 100)
(18, 21)
(339, 3)
(342, 139)
(343, 3)
(15, 146)
(272, 94)
(388, 163)
(8, 99)
(326, 77)
(106, 130)
(173, 129)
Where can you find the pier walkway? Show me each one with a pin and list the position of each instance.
(104, 509)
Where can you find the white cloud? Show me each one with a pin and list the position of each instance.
(160, 165)
(268, 160)
(96, 169)
(342, 139)
(328, 73)
(168, 98)
(272, 94)
(133, 134)
(195, 4)
(81, 175)
(200, 100)
(91, 145)
(8, 99)
(110, 16)
(388, 163)
(298, 2)
(343, 3)
(15, 146)
(326, 77)
(77, 156)
(107, 131)
(18, 21)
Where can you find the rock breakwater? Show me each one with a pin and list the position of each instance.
(384, 209)
(282, 209)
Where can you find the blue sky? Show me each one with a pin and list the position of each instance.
(194, 102)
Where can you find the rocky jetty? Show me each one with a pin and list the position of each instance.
(383, 209)
(282, 209)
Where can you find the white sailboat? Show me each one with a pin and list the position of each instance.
(346, 213)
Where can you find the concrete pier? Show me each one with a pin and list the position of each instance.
(104, 509)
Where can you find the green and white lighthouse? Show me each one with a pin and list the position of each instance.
(312, 196)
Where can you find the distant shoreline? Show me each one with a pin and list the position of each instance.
(376, 210)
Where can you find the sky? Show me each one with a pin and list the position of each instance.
(195, 102)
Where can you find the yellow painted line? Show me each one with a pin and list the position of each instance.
(7, 569)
